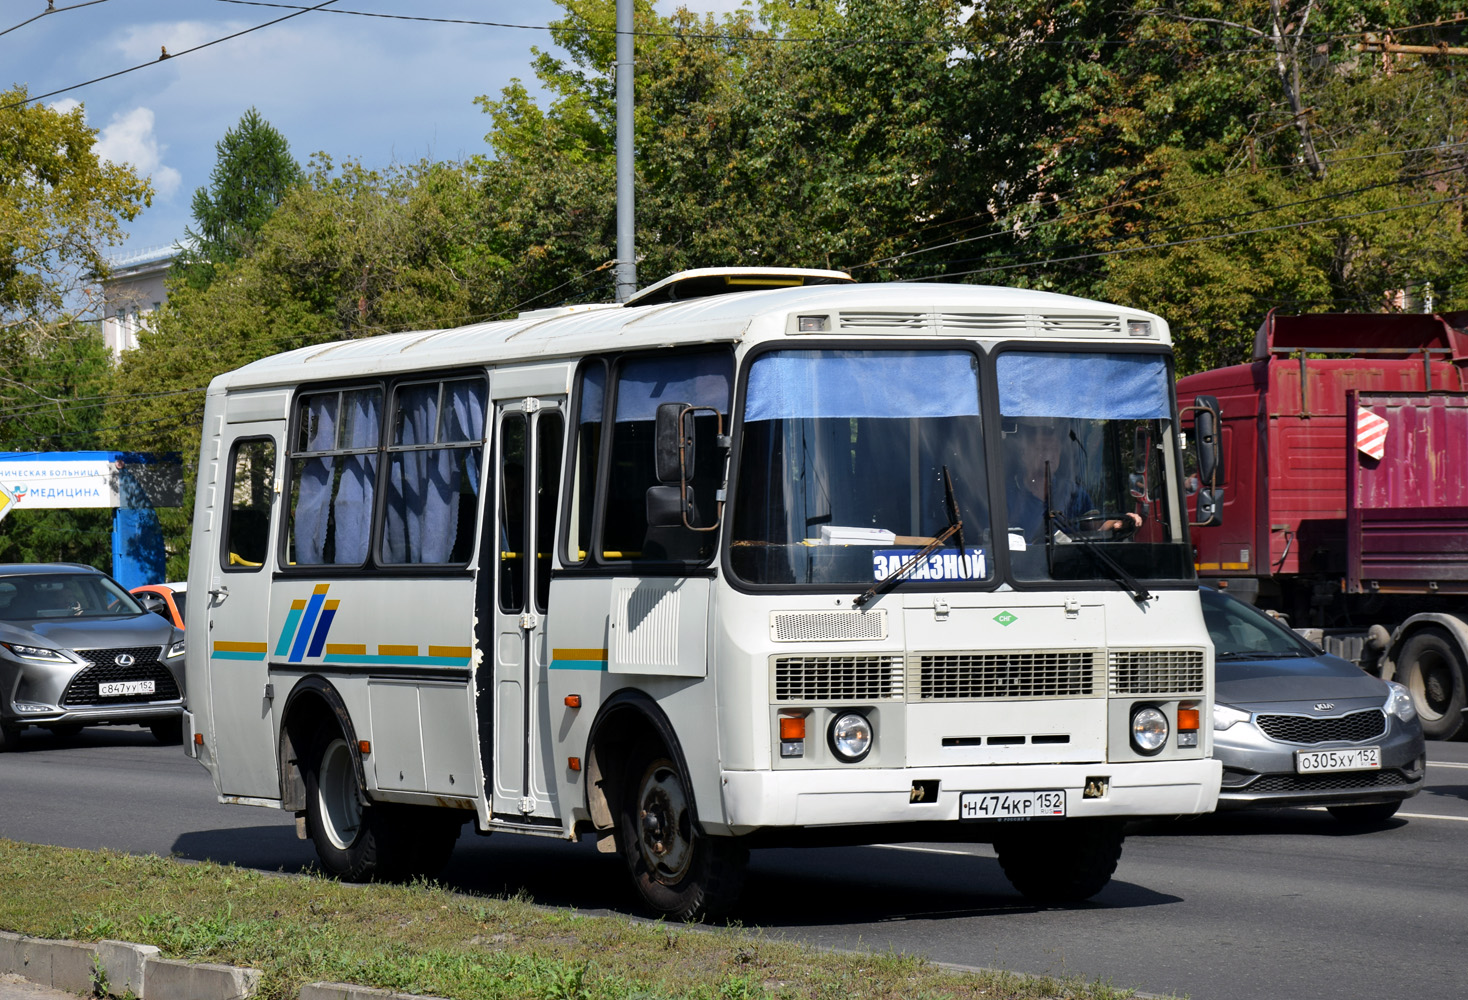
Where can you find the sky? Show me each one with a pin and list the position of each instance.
(379, 90)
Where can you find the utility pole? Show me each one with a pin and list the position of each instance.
(626, 271)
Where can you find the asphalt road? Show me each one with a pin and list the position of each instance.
(1272, 905)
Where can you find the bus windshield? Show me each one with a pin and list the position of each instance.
(847, 463)
(1090, 481)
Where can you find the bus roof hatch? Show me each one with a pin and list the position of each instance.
(705, 281)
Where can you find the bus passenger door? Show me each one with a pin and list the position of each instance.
(529, 435)
(236, 618)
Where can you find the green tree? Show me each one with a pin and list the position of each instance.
(252, 175)
(60, 208)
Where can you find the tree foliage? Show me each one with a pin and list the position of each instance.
(252, 175)
(60, 208)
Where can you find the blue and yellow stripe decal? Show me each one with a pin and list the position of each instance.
(578, 659)
(238, 650)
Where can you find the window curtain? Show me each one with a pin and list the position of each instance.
(353, 504)
(313, 500)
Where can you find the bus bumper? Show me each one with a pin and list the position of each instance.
(830, 797)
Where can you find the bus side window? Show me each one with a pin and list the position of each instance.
(700, 380)
(591, 395)
(334, 476)
(251, 486)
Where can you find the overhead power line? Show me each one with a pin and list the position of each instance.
(49, 10)
(166, 55)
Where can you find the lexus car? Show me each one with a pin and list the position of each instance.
(1295, 726)
(76, 649)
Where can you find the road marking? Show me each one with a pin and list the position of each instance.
(1444, 763)
(1455, 819)
(928, 850)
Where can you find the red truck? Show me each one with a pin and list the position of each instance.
(1344, 492)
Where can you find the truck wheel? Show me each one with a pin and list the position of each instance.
(354, 841)
(1431, 666)
(1366, 816)
(678, 871)
(1060, 862)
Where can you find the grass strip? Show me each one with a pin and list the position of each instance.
(422, 938)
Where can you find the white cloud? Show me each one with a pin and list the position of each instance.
(129, 139)
(64, 106)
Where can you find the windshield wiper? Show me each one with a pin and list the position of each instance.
(1128, 582)
(955, 527)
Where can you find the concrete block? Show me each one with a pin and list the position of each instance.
(72, 965)
(167, 979)
(346, 991)
(10, 959)
(124, 964)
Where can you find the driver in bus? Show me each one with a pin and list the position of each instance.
(1036, 444)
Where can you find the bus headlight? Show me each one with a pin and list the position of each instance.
(1149, 730)
(850, 736)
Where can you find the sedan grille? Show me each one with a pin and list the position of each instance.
(838, 678)
(1333, 781)
(83, 687)
(1353, 728)
(998, 676)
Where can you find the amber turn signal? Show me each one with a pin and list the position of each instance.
(365, 746)
(1187, 718)
(574, 763)
(573, 701)
(792, 727)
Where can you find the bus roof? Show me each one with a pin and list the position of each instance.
(876, 309)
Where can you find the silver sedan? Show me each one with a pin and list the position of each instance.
(1295, 726)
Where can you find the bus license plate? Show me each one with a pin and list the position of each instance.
(1011, 805)
(1359, 759)
(115, 688)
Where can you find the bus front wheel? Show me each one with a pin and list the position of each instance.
(354, 840)
(1060, 862)
(679, 871)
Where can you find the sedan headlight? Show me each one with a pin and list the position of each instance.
(36, 653)
(1225, 716)
(851, 736)
(1149, 730)
(177, 649)
(1399, 702)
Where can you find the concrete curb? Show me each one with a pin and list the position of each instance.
(80, 967)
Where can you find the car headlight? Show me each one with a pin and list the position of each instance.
(851, 736)
(1149, 730)
(1399, 702)
(36, 653)
(1226, 715)
(177, 649)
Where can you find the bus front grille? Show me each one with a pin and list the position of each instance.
(1156, 671)
(993, 676)
(875, 677)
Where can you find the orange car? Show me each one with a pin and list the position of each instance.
(166, 599)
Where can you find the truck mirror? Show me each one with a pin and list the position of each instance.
(669, 507)
(1205, 430)
(1210, 508)
(673, 442)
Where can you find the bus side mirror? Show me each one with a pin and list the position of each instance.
(669, 506)
(673, 443)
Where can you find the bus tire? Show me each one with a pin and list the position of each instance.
(1431, 666)
(679, 871)
(355, 841)
(1061, 862)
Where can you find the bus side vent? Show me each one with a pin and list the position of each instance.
(985, 322)
(1071, 326)
(894, 322)
(838, 678)
(1156, 671)
(1002, 675)
(827, 626)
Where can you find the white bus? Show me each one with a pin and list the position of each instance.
(757, 558)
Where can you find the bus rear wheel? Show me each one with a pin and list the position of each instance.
(1060, 862)
(679, 871)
